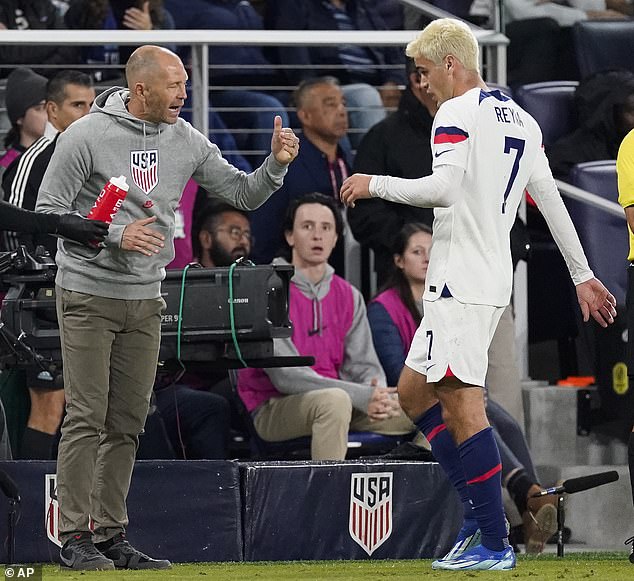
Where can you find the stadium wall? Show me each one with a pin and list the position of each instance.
(204, 511)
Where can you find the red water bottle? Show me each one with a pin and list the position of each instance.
(109, 200)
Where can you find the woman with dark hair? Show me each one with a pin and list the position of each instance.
(394, 315)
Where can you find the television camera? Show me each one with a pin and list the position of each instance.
(225, 317)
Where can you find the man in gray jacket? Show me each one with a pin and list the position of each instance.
(108, 299)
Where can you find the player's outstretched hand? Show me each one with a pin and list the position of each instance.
(87, 232)
(284, 143)
(596, 300)
(355, 187)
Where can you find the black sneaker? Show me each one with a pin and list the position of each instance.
(409, 451)
(125, 556)
(628, 542)
(80, 553)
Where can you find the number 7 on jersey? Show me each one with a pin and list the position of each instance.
(510, 144)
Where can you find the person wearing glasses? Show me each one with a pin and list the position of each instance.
(221, 234)
(199, 413)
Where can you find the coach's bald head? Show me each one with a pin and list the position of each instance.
(156, 78)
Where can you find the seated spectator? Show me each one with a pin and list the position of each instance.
(321, 166)
(394, 316)
(374, 221)
(196, 421)
(345, 389)
(391, 12)
(113, 15)
(605, 107)
(567, 13)
(540, 32)
(200, 411)
(193, 195)
(25, 100)
(221, 235)
(33, 15)
(237, 66)
(69, 96)
(358, 68)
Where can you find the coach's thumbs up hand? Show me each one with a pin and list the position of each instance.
(284, 143)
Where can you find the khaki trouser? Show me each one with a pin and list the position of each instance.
(324, 414)
(110, 351)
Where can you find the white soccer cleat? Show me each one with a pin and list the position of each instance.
(464, 541)
(479, 558)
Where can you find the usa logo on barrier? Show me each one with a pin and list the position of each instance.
(370, 523)
(144, 169)
(52, 509)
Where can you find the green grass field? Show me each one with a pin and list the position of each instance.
(573, 567)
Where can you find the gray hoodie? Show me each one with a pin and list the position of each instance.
(157, 161)
(360, 366)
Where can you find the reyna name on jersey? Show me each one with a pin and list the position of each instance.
(508, 115)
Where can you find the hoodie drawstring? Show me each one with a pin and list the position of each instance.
(317, 316)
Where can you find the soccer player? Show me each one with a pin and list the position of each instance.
(625, 171)
(486, 150)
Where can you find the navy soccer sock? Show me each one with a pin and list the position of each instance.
(482, 470)
(446, 453)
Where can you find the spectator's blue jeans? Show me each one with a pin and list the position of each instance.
(365, 109)
(510, 440)
(197, 422)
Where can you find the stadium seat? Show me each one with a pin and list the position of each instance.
(603, 236)
(601, 45)
(359, 443)
(551, 103)
(459, 8)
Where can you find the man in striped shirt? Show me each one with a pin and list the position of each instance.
(69, 95)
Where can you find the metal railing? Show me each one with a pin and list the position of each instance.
(493, 56)
(575, 193)
(493, 45)
(521, 277)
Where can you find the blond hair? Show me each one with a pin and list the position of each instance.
(446, 36)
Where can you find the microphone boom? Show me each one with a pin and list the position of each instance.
(586, 482)
(580, 484)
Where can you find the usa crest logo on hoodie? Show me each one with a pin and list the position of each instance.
(144, 169)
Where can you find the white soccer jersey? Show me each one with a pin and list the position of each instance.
(499, 147)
